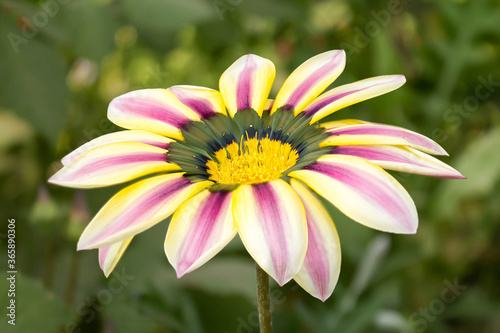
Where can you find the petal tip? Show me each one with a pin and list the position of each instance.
(180, 273)
(106, 273)
(84, 244)
(412, 230)
(400, 78)
(81, 247)
(57, 180)
(52, 180)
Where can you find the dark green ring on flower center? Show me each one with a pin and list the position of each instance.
(203, 139)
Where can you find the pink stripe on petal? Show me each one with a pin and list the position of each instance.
(110, 255)
(352, 93)
(202, 106)
(137, 208)
(113, 163)
(148, 138)
(364, 89)
(244, 85)
(161, 145)
(272, 224)
(321, 268)
(147, 108)
(400, 158)
(312, 80)
(372, 153)
(143, 207)
(203, 234)
(315, 107)
(362, 191)
(369, 187)
(109, 163)
(270, 214)
(316, 262)
(103, 252)
(378, 130)
(152, 110)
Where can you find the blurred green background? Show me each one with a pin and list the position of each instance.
(62, 61)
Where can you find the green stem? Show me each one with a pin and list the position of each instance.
(72, 279)
(264, 301)
(49, 265)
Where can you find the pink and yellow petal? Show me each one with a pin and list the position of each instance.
(378, 134)
(343, 96)
(362, 191)
(341, 123)
(321, 269)
(271, 222)
(309, 80)
(110, 255)
(400, 158)
(113, 164)
(153, 110)
(269, 105)
(149, 138)
(199, 229)
(246, 84)
(137, 208)
(204, 101)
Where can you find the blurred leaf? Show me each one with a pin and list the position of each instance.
(480, 163)
(126, 317)
(37, 18)
(224, 276)
(159, 17)
(36, 85)
(35, 307)
(280, 9)
(97, 39)
(12, 131)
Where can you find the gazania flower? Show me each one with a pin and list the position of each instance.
(234, 162)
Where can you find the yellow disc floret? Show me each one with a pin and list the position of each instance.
(254, 161)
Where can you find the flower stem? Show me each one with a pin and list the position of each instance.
(72, 279)
(49, 265)
(264, 301)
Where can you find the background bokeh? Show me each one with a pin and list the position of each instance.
(62, 61)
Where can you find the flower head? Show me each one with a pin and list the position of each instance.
(234, 162)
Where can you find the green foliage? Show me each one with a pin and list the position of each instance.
(61, 62)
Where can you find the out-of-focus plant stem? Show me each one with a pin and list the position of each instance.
(72, 279)
(263, 301)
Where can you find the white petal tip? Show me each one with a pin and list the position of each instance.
(399, 229)
(338, 53)
(81, 247)
(451, 175)
(411, 231)
(440, 151)
(282, 281)
(180, 273)
(400, 78)
(53, 180)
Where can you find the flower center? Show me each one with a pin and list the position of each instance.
(252, 161)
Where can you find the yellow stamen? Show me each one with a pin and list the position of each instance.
(254, 161)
